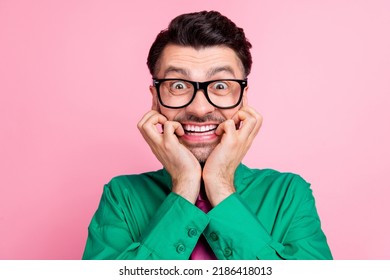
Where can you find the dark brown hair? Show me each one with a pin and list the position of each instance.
(202, 29)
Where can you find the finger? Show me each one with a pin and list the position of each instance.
(147, 125)
(146, 117)
(238, 116)
(247, 123)
(257, 117)
(172, 128)
(155, 119)
(227, 127)
(255, 114)
(250, 122)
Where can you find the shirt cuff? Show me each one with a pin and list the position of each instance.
(175, 229)
(234, 232)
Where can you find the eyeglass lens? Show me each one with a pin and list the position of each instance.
(178, 93)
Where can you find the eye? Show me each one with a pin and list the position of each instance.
(220, 85)
(178, 85)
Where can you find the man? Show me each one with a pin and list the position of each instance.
(204, 204)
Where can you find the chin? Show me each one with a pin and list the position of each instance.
(201, 154)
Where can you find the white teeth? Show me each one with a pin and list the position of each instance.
(199, 128)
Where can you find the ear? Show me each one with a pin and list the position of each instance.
(153, 91)
(245, 97)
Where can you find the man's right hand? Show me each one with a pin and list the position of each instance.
(180, 163)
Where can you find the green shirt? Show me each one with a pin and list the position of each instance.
(271, 215)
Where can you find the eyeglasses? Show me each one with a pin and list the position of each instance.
(178, 93)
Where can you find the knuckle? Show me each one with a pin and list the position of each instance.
(252, 122)
(142, 127)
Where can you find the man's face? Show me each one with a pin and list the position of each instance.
(200, 118)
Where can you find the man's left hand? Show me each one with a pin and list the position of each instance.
(237, 135)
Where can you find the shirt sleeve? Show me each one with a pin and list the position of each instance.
(171, 234)
(235, 233)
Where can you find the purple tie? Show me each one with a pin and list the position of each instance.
(202, 250)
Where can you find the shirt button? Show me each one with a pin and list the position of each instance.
(227, 252)
(192, 232)
(213, 236)
(180, 248)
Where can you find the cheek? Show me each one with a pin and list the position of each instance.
(170, 114)
(228, 114)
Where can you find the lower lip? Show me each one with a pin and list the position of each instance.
(200, 137)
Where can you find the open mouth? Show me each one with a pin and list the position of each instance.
(191, 129)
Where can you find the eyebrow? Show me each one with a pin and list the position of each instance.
(217, 70)
(174, 69)
(209, 74)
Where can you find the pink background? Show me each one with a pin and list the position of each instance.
(74, 83)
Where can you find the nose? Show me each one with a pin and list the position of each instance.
(200, 106)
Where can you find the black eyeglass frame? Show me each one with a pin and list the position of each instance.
(199, 86)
